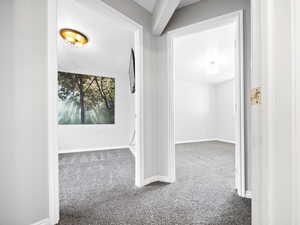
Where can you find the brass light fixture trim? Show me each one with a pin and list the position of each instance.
(74, 37)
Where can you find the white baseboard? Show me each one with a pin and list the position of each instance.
(91, 149)
(248, 194)
(42, 222)
(153, 179)
(132, 149)
(205, 140)
(226, 141)
(195, 141)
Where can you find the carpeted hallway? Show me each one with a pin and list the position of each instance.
(97, 188)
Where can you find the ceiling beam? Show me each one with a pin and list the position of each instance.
(163, 11)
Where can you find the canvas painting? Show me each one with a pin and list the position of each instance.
(85, 99)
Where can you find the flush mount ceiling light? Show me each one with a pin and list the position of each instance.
(74, 37)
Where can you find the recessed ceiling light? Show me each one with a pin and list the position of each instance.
(74, 37)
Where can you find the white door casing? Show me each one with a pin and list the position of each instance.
(237, 19)
(52, 93)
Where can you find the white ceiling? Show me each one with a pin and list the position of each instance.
(150, 4)
(184, 3)
(206, 57)
(110, 41)
(147, 4)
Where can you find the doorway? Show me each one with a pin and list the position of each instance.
(236, 19)
(53, 29)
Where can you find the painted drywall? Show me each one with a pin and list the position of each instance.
(104, 55)
(24, 156)
(24, 159)
(201, 11)
(102, 136)
(204, 111)
(25, 114)
(133, 11)
(24, 150)
(296, 36)
(204, 92)
(8, 150)
(150, 79)
(225, 111)
(195, 113)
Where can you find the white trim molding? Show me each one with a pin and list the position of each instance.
(237, 19)
(67, 151)
(52, 113)
(153, 179)
(256, 74)
(295, 23)
(275, 164)
(195, 141)
(205, 140)
(53, 151)
(43, 222)
(139, 103)
(132, 150)
(248, 194)
(226, 141)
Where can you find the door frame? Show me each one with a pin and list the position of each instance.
(52, 101)
(237, 18)
(295, 46)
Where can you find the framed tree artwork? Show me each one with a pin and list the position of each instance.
(85, 99)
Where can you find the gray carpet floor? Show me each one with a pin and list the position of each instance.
(97, 188)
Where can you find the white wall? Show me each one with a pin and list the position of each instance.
(102, 136)
(150, 79)
(104, 55)
(204, 93)
(225, 111)
(23, 142)
(195, 114)
(204, 111)
(296, 47)
(24, 129)
(24, 151)
(8, 180)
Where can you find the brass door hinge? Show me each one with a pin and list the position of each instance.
(256, 96)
